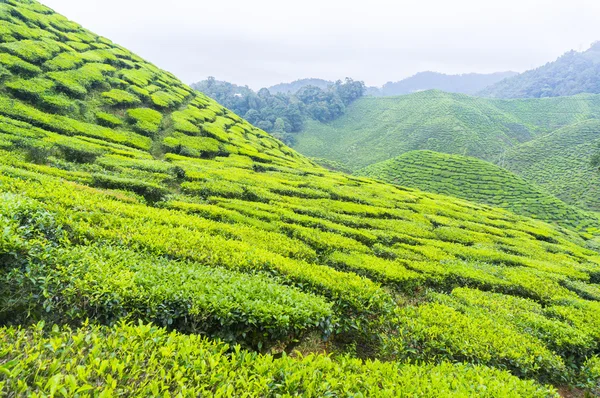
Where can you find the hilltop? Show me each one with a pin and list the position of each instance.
(573, 73)
(478, 181)
(297, 85)
(467, 83)
(376, 129)
(155, 243)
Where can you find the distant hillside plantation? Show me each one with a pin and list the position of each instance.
(560, 163)
(376, 129)
(572, 73)
(479, 181)
(295, 86)
(468, 83)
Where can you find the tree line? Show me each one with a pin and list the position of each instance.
(284, 114)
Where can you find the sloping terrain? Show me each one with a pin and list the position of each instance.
(376, 129)
(126, 198)
(478, 181)
(560, 163)
(573, 73)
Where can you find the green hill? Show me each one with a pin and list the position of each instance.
(127, 199)
(376, 129)
(573, 73)
(479, 181)
(560, 163)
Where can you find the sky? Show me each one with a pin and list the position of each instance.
(264, 42)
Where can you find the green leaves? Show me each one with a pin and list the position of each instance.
(145, 360)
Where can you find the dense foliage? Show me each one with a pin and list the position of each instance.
(479, 181)
(469, 83)
(573, 73)
(296, 85)
(283, 113)
(174, 211)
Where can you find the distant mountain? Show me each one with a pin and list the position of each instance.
(295, 86)
(468, 83)
(573, 73)
(478, 181)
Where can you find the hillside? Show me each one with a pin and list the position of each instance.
(296, 85)
(478, 181)
(126, 199)
(376, 129)
(560, 163)
(573, 73)
(468, 83)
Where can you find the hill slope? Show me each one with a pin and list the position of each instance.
(479, 181)
(377, 129)
(560, 163)
(468, 83)
(184, 215)
(573, 73)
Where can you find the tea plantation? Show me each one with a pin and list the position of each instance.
(479, 181)
(377, 129)
(154, 243)
(559, 162)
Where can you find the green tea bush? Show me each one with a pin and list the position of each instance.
(438, 332)
(145, 360)
(109, 284)
(151, 192)
(146, 120)
(34, 51)
(77, 82)
(120, 98)
(108, 119)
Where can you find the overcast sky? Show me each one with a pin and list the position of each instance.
(264, 42)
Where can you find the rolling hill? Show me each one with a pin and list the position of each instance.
(376, 129)
(573, 73)
(560, 163)
(153, 243)
(468, 83)
(478, 181)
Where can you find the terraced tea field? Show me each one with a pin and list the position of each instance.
(559, 162)
(128, 199)
(377, 129)
(482, 182)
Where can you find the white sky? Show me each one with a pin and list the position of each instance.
(264, 42)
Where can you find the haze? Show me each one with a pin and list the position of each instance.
(264, 42)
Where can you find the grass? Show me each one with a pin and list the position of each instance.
(238, 251)
(479, 181)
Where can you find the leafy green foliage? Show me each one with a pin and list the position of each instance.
(572, 73)
(144, 360)
(283, 113)
(478, 181)
(146, 120)
(211, 226)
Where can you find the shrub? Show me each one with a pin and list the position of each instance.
(144, 360)
(77, 82)
(108, 119)
(120, 98)
(146, 120)
(151, 192)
